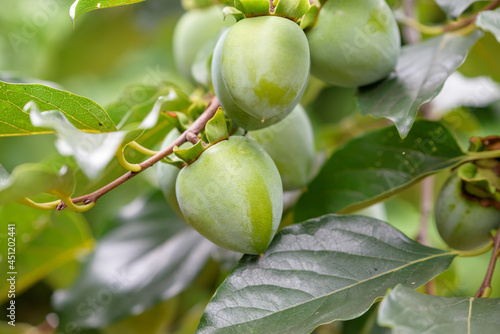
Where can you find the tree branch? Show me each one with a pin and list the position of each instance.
(491, 268)
(195, 128)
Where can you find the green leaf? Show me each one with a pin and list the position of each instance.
(216, 128)
(45, 241)
(82, 112)
(326, 269)
(421, 71)
(137, 101)
(376, 165)
(152, 256)
(28, 180)
(455, 7)
(190, 154)
(410, 312)
(80, 7)
(490, 21)
(92, 151)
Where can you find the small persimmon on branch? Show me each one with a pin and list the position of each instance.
(193, 130)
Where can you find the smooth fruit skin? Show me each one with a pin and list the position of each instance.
(354, 43)
(463, 224)
(290, 143)
(195, 28)
(260, 70)
(232, 195)
(167, 175)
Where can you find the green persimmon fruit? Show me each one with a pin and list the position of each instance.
(195, 28)
(260, 70)
(354, 43)
(290, 143)
(462, 223)
(232, 194)
(167, 173)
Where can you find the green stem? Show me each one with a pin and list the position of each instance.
(124, 163)
(40, 206)
(429, 30)
(146, 151)
(476, 252)
(482, 155)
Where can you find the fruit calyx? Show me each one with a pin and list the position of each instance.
(216, 130)
(290, 9)
(481, 182)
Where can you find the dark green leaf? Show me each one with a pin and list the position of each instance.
(421, 71)
(80, 7)
(326, 269)
(44, 242)
(376, 165)
(409, 312)
(455, 7)
(82, 112)
(151, 257)
(490, 21)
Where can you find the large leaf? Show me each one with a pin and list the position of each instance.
(80, 7)
(326, 269)
(421, 71)
(151, 257)
(455, 7)
(93, 151)
(490, 21)
(409, 312)
(45, 241)
(82, 112)
(376, 165)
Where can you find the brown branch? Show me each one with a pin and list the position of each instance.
(465, 22)
(195, 128)
(410, 35)
(491, 268)
(426, 203)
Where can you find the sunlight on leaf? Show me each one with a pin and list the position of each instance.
(81, 112)
(421, 71)
(80, 7)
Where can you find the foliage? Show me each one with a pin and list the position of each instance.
(87, 100)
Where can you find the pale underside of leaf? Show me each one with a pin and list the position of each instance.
(421, 72)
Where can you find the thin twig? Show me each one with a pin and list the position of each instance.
(491, 268)
(426, 203)
(195, 128)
